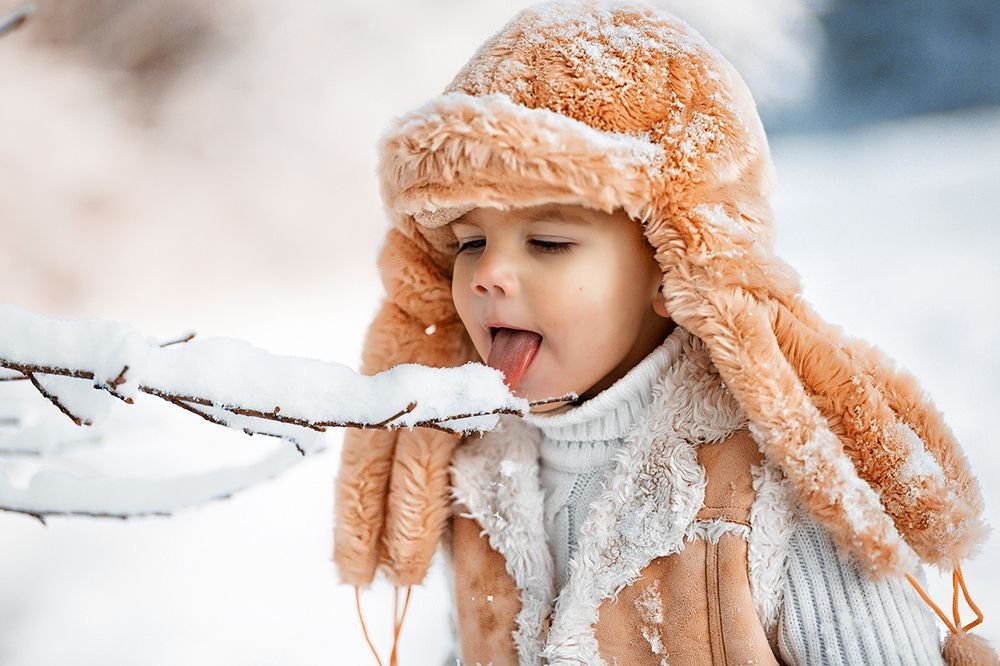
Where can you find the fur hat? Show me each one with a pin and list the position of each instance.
(618, 105)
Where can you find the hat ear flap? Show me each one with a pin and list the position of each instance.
(737, 332)
(419, 500)
(392, 486)
(895, 437)
(359, 502)
(418, 505)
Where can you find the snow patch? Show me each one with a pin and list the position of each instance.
(650, 603)
(650, 606)
(919, 463)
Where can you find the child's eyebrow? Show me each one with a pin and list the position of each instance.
(557, 216)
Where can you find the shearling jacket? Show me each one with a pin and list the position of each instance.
(686, 557)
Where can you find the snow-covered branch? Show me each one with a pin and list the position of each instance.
(221, 378)
(223, 381)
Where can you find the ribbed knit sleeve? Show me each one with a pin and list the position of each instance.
(834, 614)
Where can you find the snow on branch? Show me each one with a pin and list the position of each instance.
(223, 381)
(220, 378)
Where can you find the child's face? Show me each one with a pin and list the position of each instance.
(585, 280)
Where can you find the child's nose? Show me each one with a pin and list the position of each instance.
(495, 274)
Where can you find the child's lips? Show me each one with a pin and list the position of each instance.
(494, 326)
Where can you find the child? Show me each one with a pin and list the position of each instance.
(586, 209)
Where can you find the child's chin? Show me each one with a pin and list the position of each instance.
(526, 393)
(534, 394)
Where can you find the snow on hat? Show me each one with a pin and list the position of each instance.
(620, 105)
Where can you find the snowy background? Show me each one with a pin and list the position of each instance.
(185, 165)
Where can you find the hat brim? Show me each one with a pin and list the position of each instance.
(459, 152)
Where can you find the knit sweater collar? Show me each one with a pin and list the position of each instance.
(611, 414)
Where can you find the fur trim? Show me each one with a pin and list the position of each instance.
(772, 521)
(495, 477)
(651, 499)
(521, 156)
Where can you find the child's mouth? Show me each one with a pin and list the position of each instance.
(512, 352)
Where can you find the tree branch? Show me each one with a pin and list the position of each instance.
(185, 338)
(16, 18)
(228, 383)
(187, 402)
(40, 516)
(54, 399)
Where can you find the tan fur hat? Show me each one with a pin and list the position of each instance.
(618, 105)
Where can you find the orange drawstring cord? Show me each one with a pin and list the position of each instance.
(957, 582)
(397, 624)
(364, 629)
(398, 620)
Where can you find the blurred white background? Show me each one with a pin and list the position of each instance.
(210, 166)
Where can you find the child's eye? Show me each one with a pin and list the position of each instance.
(551, 246)
(476, 244)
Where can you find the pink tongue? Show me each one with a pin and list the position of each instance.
(512, 352)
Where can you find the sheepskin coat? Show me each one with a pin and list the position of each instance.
(683, 558)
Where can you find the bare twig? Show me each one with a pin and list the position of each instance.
(569, 397)
(409, 408)
(566, 398)
(54, 399)
(438, 422)
(26, 369)
(187, 338)
(273, 416)
(119, 380)
(194, 410)
(41, 516)
(112, 386)
(13, 378)
(217, 421)
(16, 18)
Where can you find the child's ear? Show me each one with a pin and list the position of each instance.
(660, 304)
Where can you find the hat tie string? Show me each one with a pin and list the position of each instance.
(397, 623)
(957, 583)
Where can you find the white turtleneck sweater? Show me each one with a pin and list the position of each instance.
(578, 451)
(832, 612)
